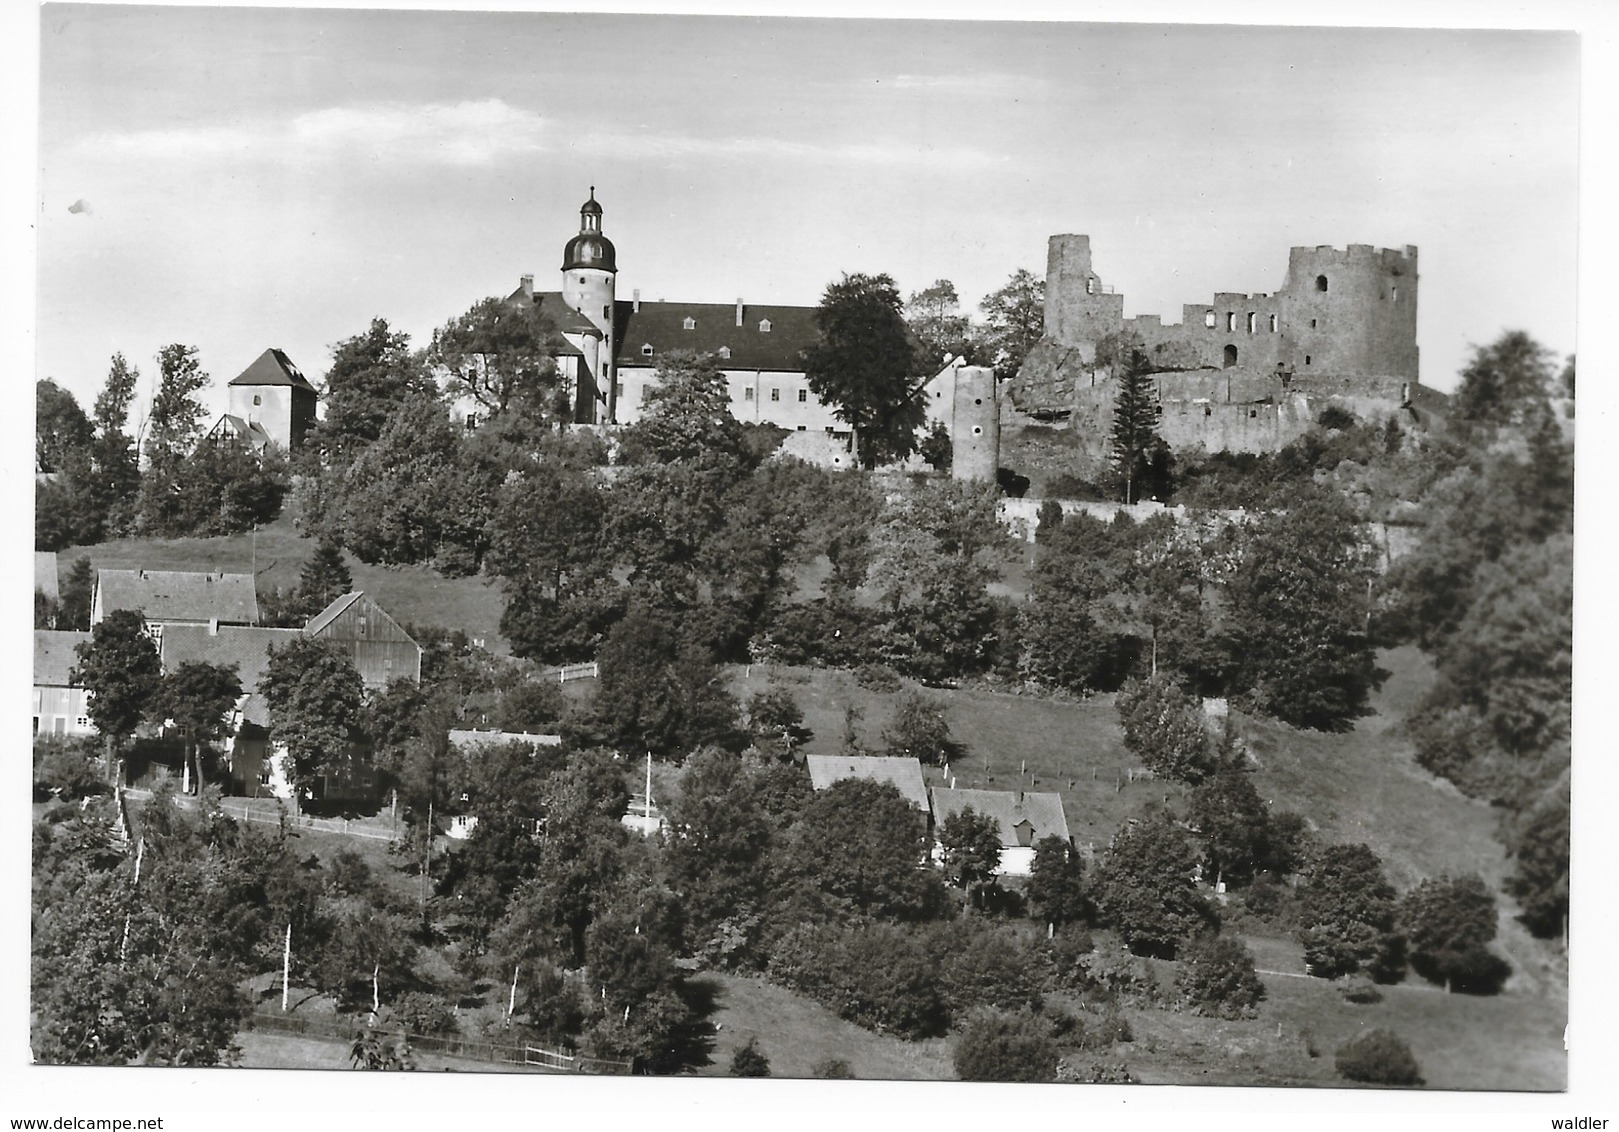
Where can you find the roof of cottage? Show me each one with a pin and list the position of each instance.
(1042, 812)
(905, 774)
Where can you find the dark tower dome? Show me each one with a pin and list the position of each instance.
(590, 248)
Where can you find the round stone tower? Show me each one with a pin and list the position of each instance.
(589, 273)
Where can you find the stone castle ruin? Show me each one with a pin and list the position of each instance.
(1243, 373)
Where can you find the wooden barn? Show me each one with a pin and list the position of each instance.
(377, 644)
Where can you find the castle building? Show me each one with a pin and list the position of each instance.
(270, 402)
(613, 347)
(1244, 372)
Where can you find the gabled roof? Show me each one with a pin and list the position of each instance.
(250, 432)
(272, 368)
(180, 595)
(662, 326)
(54, 656)
(1042, 811)
(904, 773)
(45, 572)
(323, 620)
(562, 316)
(469, 741)
(233, 646)
(332, 612)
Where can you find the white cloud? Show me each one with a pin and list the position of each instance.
(669, 147)
(461, 133)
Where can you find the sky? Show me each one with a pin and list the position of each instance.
(238, 178)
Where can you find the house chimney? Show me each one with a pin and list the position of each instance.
(528, 286)
(636, 296)
(739, 312)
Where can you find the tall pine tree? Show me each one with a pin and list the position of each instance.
(1136, 452)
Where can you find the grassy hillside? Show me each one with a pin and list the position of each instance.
(276, 555)
(1363, 785)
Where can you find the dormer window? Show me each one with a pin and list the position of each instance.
(646, 351)
(725, 351)
(690, 323)
(764, 326)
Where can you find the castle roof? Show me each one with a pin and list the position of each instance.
(905, 774)
(662, 326)
(55, 657)
(272, 368)
(179, 595)
(1023, 817)
(562, 316)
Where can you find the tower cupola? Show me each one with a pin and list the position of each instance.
(590, 249)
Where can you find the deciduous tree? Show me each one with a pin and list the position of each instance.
(865, 365)
(501, 354)
(971, 844)
(1145, 888)
(316, 698)
(119, 669)
(1016, 318)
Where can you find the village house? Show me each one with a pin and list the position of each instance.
(176, 597)
(471, 743)
(377, 644)
(1023, 818)
(59, 703)
(904, 774)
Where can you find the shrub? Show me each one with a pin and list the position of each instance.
(1335, 417)
(1217, 977)
(750, 1061)
(832, 1069)
(1378, 1057)
(422, 1013)
(880, 976)
(1360, 990)
(983, 967)
(997, 1046)
(877, 678)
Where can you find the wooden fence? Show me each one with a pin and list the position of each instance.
(531, 1056)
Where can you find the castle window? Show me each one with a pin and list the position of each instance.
(1230, 356)
(1306, 359)
(1320, 282)
(646, 351)
(1312, 324)
(1251, 324)
(1208, 410)
(1208, 319)
(257, 400)
(1231, 320)
(803, 396)
(977, 430)
(581, 280)
(775, 395)
(690, 323)
(1090, 286)
(764, 326)
(618, 389)
(472, 421)
(1394, 294)
(725, 351)
(1252, 413)
(747, 393)
(607, 312)
(803, 428)
(1273, 324)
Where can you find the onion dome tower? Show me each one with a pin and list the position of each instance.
(589, 271)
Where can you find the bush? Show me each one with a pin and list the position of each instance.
(1379, 1057)
(1163, 727)
(832, 1069)
(1217, 977)
(1335, 417)
(1359, 990)
(750, 1061)
(877, 678)
(997, 1046)
(880, 976)
(422, 1013)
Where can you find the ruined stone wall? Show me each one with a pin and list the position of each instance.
(1079, 310)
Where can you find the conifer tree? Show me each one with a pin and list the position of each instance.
(1135, 450)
